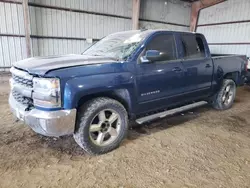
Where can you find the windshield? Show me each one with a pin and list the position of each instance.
(118, 45)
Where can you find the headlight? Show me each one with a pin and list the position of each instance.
(47, 92)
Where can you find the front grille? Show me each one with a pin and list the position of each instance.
(22, 81)
(22, 99)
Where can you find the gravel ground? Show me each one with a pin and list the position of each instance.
(201, 148)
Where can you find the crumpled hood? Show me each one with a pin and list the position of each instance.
(41, 65)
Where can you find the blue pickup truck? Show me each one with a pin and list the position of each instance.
(136, 75)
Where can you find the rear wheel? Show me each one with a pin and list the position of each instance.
(224, 99)
(102, 125)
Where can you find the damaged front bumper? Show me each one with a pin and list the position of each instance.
(48, 123)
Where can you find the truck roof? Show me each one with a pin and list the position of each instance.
(154, 31)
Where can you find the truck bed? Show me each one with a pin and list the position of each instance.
(230, 63)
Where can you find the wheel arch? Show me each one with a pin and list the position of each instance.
(120, 95)
(233, 76)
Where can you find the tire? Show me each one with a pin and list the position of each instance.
(224, 99)
(94, 121)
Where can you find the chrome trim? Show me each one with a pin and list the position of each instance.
(48, 123)
(21, 74)
(25, 91)
(143, 59)
(170, 112)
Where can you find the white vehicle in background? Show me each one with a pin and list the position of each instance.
(248, 71)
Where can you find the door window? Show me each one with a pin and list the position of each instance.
(193, 46)
(163, 43)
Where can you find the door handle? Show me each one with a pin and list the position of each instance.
(176, 69)
(208, 66)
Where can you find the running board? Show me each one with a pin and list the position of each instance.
(169, 112)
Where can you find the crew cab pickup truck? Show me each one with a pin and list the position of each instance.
(136, 75)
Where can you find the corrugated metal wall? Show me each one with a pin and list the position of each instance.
(169, 12)
(227, 27)
(160, 14)
(62, 26)
(67, 24)
(12, 46)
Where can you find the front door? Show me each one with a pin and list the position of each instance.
(159, 83)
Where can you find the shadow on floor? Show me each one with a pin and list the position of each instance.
(165, 123)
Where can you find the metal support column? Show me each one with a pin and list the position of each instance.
(195, 10)
(136, 12)
(27, 27)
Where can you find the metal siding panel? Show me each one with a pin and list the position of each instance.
(53, 3)
(6, 51)
(153, 25)
(65, 46)
(168, 11)
(229, 33)
(14, 18)
(35, 47)
(74, 19)
(54, 22)
(60, 47)
(33, 20)
(1, 53)
(67, 4)
(55, 47)
(223, 12)
(3, 28)
(82, 28)
(78, 46)
(51, 50)
(39, 21)
(115, 7)
(90, 26)
(64, 23)
(17, 41)
(59, 23)
(46, 47)
(49, 22)
(41, 48)
(43, 27)
(20, 19)
(46, 2)
(74, 46)
(12, 50)
(8, 17)
(229, 49)
(68, 24)
(78, 28)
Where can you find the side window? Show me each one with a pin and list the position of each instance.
(163, 43)
(193, 46)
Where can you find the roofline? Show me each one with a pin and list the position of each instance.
(176, 31)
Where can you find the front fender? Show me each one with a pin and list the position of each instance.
(78, 87)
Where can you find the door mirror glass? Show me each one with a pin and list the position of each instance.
(155, 55)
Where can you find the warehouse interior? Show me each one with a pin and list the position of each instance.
(198, 148)
(66, 27)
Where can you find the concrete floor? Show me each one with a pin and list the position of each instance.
(201, 148)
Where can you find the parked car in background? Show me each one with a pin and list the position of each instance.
(248, 71)
(134, 75)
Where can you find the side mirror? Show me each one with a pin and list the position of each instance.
(155, 55)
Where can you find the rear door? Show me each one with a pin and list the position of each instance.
(159, 83)
(198, 65)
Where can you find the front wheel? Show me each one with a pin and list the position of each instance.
(224, 99)
(101, 126)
